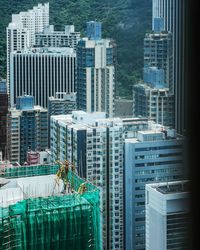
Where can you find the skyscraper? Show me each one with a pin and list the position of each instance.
(158, 53)
(96, 75)
(21, 31)
(95, 146)
(173, 12)
(46, 71)
(3, 115)
(167, 215)
(154, 156)
(27, 129)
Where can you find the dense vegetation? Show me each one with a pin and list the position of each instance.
(124, 20)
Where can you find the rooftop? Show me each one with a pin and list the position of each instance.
(25, 182)
(49, 50)
(14, 190)
(30, 201)
(172, 188)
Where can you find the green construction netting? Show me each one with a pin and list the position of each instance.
(28, 171)
(69, 221)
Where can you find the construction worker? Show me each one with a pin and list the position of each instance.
(82, 189)
(65, 183)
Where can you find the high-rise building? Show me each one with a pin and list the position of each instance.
(13, 135)
(52, 38)
(96, 75)
(95, 146)
(154, 156)
(3, 115)
(93, 31)
(167, 215)
(156, 104)
(46, 71)
(158, 53)
(173, 12)
(21, 31)
(27, 129)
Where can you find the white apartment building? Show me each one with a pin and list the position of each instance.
(21, 31)
(95, 146)
(96, 75)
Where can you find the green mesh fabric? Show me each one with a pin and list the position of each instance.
(58, 222)
(28, 171)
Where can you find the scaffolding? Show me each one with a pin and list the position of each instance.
(57, 222)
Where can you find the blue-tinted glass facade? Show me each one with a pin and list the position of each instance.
(81, 75)
(27, 133)
(158, 24)
(85, 59)
(154, 76)
(94, 30)
(109, 56)
(3, 88)
(25, 102)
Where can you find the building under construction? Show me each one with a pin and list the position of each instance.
(48, 207)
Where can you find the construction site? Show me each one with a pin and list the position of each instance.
(48, 207)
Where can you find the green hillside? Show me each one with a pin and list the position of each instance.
(124, 20)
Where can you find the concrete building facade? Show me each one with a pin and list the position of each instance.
(27, 130)
(42, 72)
(154, 156)
(21, 31)
(167, 215)
(156, 104)
(51, 38)
(158, 52)
(95, 146)
(61, 104)
(96, 76)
